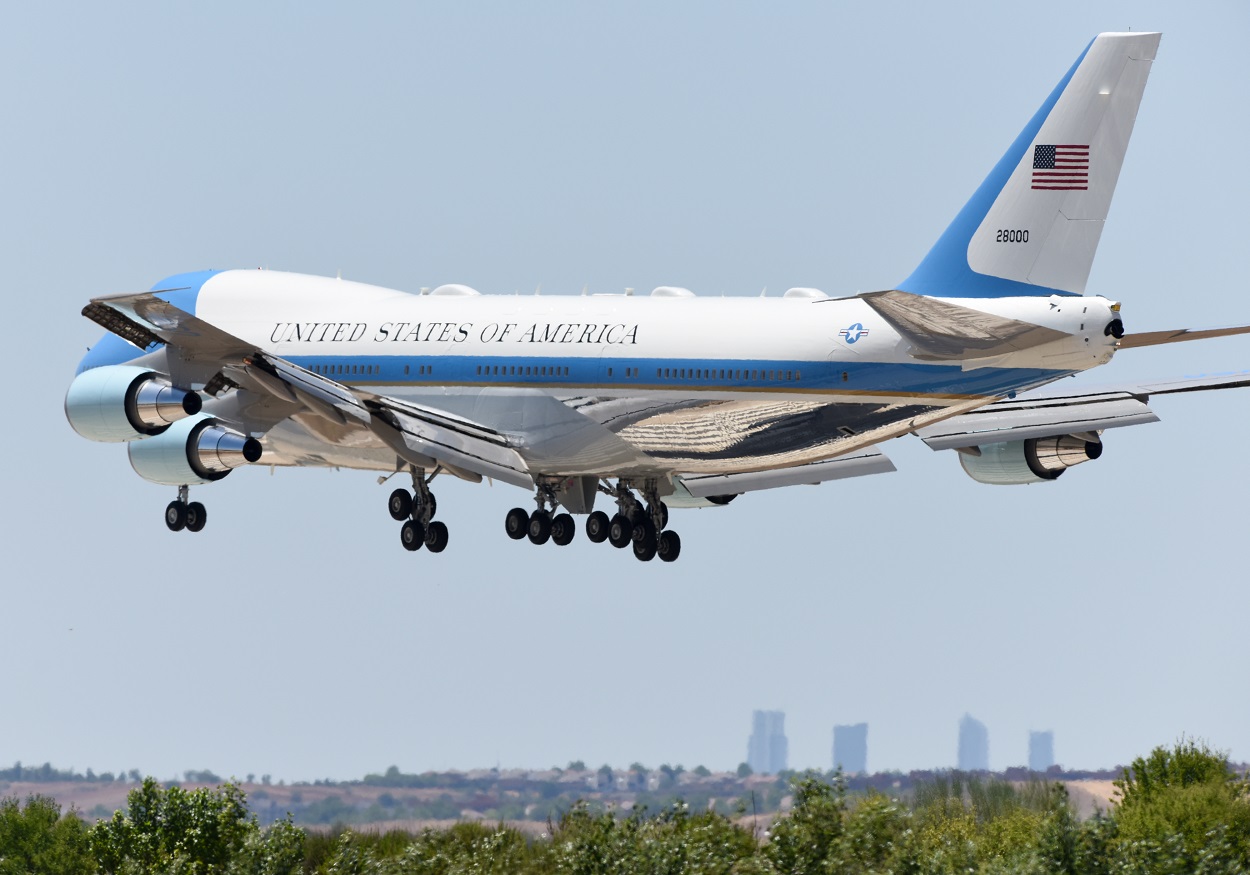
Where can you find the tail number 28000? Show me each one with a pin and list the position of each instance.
(1012, 236)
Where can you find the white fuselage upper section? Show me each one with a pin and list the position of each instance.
(362, 334)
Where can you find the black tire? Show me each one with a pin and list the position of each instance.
(643, 531)
(663, 515)
(637, 514)
(539, 527)
(412, 536)
(399, 505)
(433, 505)
(597, 527)
(517, 524)
(563, 529)
(669, 547)
(176, 516)
(436, 537)
(197, 516)
(620, 531)
(644, 550)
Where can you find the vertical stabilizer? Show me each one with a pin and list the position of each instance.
(1033, 225)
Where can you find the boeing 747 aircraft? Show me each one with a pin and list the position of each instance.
(651, 403)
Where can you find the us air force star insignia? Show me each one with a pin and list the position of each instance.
(854, 332)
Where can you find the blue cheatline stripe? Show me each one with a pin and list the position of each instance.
(687, 374)
(112, 350)
(944, 272)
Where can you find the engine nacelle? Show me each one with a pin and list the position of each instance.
(1035, 460)
(198, 449)
(124, 403)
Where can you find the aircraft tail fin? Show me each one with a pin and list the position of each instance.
(1034, 223)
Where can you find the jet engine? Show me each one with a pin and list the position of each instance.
(198, 449)
(1035, 460)
(125, 403)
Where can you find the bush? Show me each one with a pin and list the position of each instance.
(36, 837)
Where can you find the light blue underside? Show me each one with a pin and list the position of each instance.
(944, 272)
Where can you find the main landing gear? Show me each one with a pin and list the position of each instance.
(181, 514)
(417, 509)
(544, 524)
(634, 524)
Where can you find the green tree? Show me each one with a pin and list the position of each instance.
(805, 840)
(36, 837)
(1185, 798)
(208, 830)
(745, 770)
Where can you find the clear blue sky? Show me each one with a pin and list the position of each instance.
(722, 147)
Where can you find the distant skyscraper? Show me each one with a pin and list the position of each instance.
(1041, 750)
(767, 749)
(850, 748)
(974, 745)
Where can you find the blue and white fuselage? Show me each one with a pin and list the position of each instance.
(714, 385)
(667, 398)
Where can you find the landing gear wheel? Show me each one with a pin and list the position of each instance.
(197, 516)
(620, 531)
(563, 529)
(663, 514)
(539, 527)
(643, 531)
(669, 547)
(412, 535)
(517, 523)
(400, 505)
(644, 550)
(597, 527)
(436, 537)
(176, 516)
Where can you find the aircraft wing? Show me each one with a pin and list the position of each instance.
(1044, 413)
(860, 464)
(422, 436)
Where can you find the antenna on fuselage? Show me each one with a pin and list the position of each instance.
(538, 289)
(764, 293)
(585, 289)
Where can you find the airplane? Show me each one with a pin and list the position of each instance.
(660, 401)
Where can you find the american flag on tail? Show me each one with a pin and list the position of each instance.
(1061, 168)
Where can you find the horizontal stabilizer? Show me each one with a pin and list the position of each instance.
(1179, 335)
(941, 331)
(857, 465)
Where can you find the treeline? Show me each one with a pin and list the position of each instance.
(47, 774)
(1180, 810)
